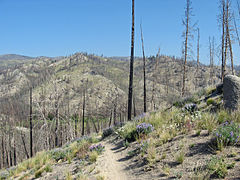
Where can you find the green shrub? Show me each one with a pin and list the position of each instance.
(227, 134)
(93, 139)
(48, 168)
(180, 157)
(180, 103)
(128, 132)
(131, 136)
(93, 156)
(210, 90)
(217, 167)
(143, 147)
(38, 173)
(211, 101)
(223, 116)
(107, 132)
(58, 154)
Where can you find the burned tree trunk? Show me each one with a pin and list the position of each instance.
(144, 75)
(130, 91)
(30, 124)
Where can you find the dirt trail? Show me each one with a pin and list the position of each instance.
(112, 164)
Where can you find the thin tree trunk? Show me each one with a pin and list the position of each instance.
(83, 110)
(56, 125)
(31, 125)
(24, 145)
(131, 68)
(134, 107)
(236, 30)
(75, 127)
(223, 39)
(231, 52)
(186, 46)
(228, 35)
(3, 152)
(144, 75)
(198, 49)
(153, 105)
(110, 119)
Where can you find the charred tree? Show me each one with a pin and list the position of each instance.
(31, 124)
(130, 91)
(144, 75)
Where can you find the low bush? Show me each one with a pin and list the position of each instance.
(227, 134)
(107, 132)
(97, 147)
(128, 132)
(180, 157)
(58, 154)
(211, 101)
(217, 167)
(144, 128)
(210, 90)
(223, 116)
(93, 156)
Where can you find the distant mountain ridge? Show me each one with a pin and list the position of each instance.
(6, 57)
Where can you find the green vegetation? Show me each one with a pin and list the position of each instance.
(180, 157)
(227, 134)
(43, 161)
(217, 167)
(211, 101)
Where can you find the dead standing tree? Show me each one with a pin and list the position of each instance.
(30, 124)
(226, 19)
(198, 49)
(144, 74)
(153, 103)
(222, 20)
(84, 107)
(198, 57)
(130, 91)
(211, 58)
(228, 35)
(186, 35)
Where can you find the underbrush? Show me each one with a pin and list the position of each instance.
(161, 127)
(42, 162)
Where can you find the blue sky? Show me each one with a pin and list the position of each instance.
(63, 27)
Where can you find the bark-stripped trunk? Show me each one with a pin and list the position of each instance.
(186, 46)
(144, 75)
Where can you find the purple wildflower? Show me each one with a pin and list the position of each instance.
(96, 147)
(237, 139)
(231, 134)
(144, 128)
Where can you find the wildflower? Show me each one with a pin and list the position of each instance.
(231, 134)
(237, 139)
(144, 128)
(98, 148)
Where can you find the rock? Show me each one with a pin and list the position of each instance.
(231, 92)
